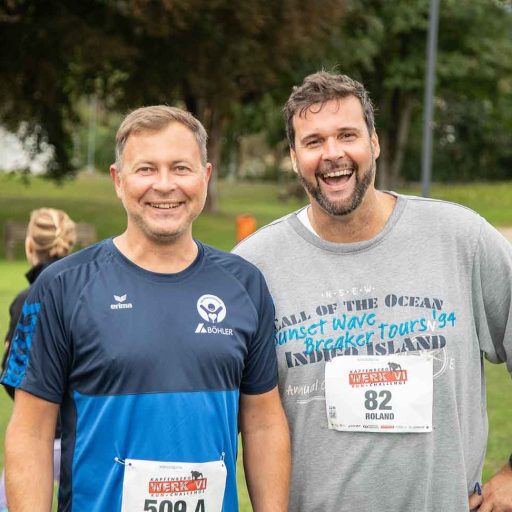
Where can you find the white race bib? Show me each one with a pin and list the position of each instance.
(380, 393)
(152, 486)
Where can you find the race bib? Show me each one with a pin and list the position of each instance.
(380, 393)
(152, 486)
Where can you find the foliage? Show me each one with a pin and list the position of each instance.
(384, 45)
(211, 55)
(57, 51)
(233, 64)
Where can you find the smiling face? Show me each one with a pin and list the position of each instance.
(334, 155)
(162, 183)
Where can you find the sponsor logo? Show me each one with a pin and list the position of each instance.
(392, 375)
(201, 328)
(213, 311)
(194, 483)
(121, 302)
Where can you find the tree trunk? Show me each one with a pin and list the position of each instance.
(393, 139)
(214, 122)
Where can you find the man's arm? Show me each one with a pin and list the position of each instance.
(266, 448)
(29, 454)
(496, 493)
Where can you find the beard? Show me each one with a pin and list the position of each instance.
(345, 206)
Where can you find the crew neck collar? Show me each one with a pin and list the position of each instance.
(336, 247)
(158, 276)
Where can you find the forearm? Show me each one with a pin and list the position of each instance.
(28, 470)
(267, 467)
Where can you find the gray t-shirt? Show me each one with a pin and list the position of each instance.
(434, 264)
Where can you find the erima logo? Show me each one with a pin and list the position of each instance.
(120, 299)
(213, 310)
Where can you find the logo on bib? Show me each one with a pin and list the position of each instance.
(392, 375)
(213, 311)
(193, 484)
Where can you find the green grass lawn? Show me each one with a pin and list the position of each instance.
(91, 199)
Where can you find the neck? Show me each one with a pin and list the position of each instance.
(168, 258)
(364, 223)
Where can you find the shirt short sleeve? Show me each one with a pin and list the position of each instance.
(39, 356)
(260, 373)
(492, 295)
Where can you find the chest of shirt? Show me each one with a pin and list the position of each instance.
(159, 337)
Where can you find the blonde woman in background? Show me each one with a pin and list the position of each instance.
(50, 236)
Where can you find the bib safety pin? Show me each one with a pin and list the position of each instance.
(120, 461)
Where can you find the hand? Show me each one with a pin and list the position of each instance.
(496, 493)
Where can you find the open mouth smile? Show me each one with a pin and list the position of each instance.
(337, 177)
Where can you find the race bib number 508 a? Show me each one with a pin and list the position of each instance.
(152, 486)
(379, 393)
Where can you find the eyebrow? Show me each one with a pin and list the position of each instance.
(153, 163)
(315, 135)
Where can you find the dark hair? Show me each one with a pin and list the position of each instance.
(321, 87)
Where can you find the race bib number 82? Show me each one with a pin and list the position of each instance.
(379, 393)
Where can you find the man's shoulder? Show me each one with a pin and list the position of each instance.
(447, 216)
(229, 262)
(81, 262)
(264, 237)
(441, 207)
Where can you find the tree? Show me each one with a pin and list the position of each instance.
(384, 45)
(209, 54)
(52, 53)
(217, 54)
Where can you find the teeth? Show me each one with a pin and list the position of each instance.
(165, 206)
(335, 174)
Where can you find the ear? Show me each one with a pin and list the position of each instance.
(374, 141)
(114, 174)
(293, 157)
(208, 171)
(29, 249)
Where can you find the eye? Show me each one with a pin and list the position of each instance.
(313, 143)
(144, 170)
(182, 169)
(347, 136)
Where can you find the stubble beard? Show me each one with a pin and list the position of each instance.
(157, 237)
(346, 206)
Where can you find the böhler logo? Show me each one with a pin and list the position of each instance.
(195, 483)
(392, 375)
(213, 311)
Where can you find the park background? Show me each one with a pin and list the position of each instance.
(69, 72)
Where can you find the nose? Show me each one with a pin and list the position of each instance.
(164, 181)
(333, 149)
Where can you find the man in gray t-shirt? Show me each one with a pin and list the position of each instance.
(385, 308)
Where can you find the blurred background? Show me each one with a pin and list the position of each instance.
(70, 71)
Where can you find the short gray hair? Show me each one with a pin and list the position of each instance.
(321, 87)
(156, 118)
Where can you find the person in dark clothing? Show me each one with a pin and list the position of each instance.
(51, 235)
(15, 310)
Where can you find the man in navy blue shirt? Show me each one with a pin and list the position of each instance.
(156, 348)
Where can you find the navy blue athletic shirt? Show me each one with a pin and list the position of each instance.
(145, 365)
